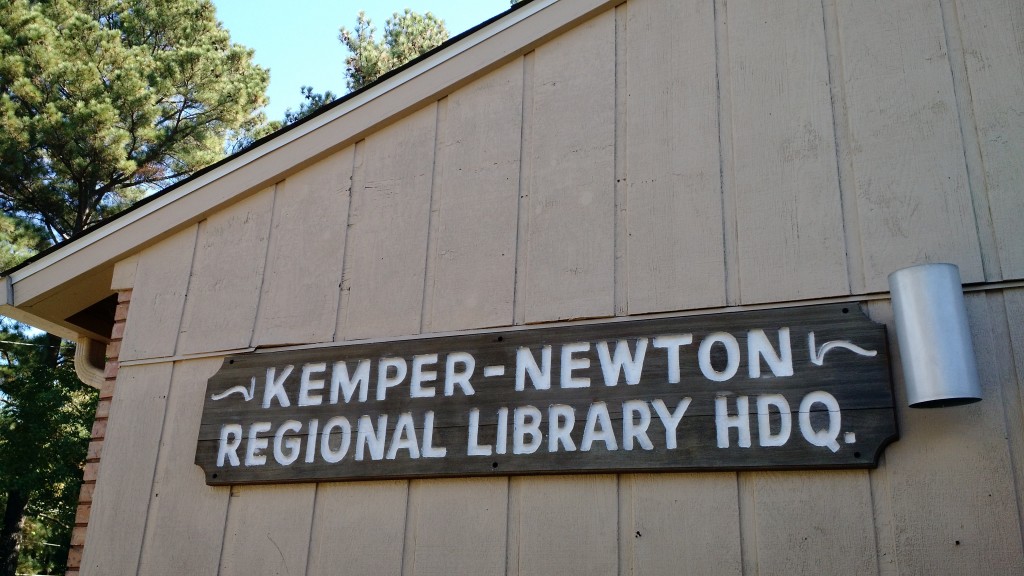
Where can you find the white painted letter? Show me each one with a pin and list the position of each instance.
(255, 445)
(758, 347)
(632, 365)
(334, 456)
(453, 377)
(230, 440)
(764, 424)
(569, 364)
(598, 414)
(526, 363)
(384, 381)
(293, 445)
(306, 384)
(631, 429)
(825, 437)
(741, 421)
(501, 442)
(419, 376)
(732, 354)
(671, 345)
(474, 448)
(404, 436)
(370, 439)
(311, 440)
(521, 429)
(670, 420)
(340, 379)
(561, 419)
(275, 387)
(429, 450)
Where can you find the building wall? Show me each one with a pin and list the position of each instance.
(661, 156)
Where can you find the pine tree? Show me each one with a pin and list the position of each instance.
(101, 102)
(45, 418)
(406, 36)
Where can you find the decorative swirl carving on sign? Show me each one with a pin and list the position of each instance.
(818, 354)
(246, 393)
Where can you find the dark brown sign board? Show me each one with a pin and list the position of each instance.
(788, 388)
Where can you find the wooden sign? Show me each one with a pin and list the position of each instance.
(771, 389)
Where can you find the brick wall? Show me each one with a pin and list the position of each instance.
(99, 430)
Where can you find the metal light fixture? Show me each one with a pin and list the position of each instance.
(939, 366)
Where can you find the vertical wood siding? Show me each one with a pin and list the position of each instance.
(909, 175)
(122, 497)
(787, 206)
(660, 156)
(672, 160)
(386, 253)
(471, 266)
(227, 274)
(299, 299)
(570, 208)
(161, 282)
(182, 507)
(991, 38)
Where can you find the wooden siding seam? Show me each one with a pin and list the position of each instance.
(850, 217)
(525, 176)
(430, 225)
(340, 300)
(513, 531)
(433, 215)
(627, 524)
(232, 495)
(408, 526)
(726, 174)
(508, 520)
(881, 509)
(1013, 407)
(312, 524)
(970, 141)
(865, 475)
(619, 532)
(199, 229)
(621, 267)
(266, 267)
(156, 464)
(358, 183)
(882, 505)
(747, 507)
(876, 532)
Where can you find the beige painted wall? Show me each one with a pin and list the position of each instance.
(664, 155)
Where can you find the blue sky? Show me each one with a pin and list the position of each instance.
(298, 40)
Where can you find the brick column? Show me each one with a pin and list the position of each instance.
(99, 432)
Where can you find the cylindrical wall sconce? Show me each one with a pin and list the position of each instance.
(939, 367)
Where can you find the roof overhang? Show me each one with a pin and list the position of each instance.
(51, 290)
